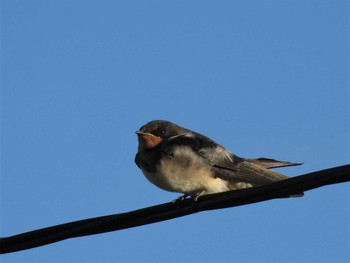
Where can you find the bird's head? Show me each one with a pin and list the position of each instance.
(155, 132)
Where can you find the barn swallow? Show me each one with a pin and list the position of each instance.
(177, 159)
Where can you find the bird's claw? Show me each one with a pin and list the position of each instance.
(197, 195)
(178, 201)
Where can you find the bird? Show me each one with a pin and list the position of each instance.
(179, 160)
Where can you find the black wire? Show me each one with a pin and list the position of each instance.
(97, 225)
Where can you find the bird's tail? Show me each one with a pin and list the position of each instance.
(257, 170)
(271, 163)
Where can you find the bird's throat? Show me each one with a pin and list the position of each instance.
(148, 141)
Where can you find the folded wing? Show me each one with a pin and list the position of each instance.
(227, 166)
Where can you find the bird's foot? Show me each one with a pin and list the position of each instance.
(180, 200)
(197, 195)
(194, 198)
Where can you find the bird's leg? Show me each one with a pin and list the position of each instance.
(183, 197)
(197, 195)
(194, 198)
(180, 199)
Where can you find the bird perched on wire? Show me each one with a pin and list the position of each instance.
(180, 160)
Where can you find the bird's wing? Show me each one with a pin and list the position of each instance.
(233, 168)
(225, 164)
(271, 163)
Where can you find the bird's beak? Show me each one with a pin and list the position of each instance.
(141, 133)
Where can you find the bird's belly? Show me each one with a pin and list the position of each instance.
(186, 173)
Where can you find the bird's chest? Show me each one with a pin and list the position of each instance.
(182, 171)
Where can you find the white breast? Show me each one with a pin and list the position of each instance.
(185, 172)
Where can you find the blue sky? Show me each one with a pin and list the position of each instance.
(263, 78)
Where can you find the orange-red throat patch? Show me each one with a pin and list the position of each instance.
(148, 140)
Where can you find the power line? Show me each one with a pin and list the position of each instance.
(153, 214)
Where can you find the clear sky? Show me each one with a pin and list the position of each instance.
(264, 78)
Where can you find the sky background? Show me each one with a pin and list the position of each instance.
(264, 78)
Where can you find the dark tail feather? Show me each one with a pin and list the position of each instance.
(271, 163)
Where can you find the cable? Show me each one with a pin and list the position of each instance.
(166, 211)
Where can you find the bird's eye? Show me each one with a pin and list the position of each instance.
(159, 132)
